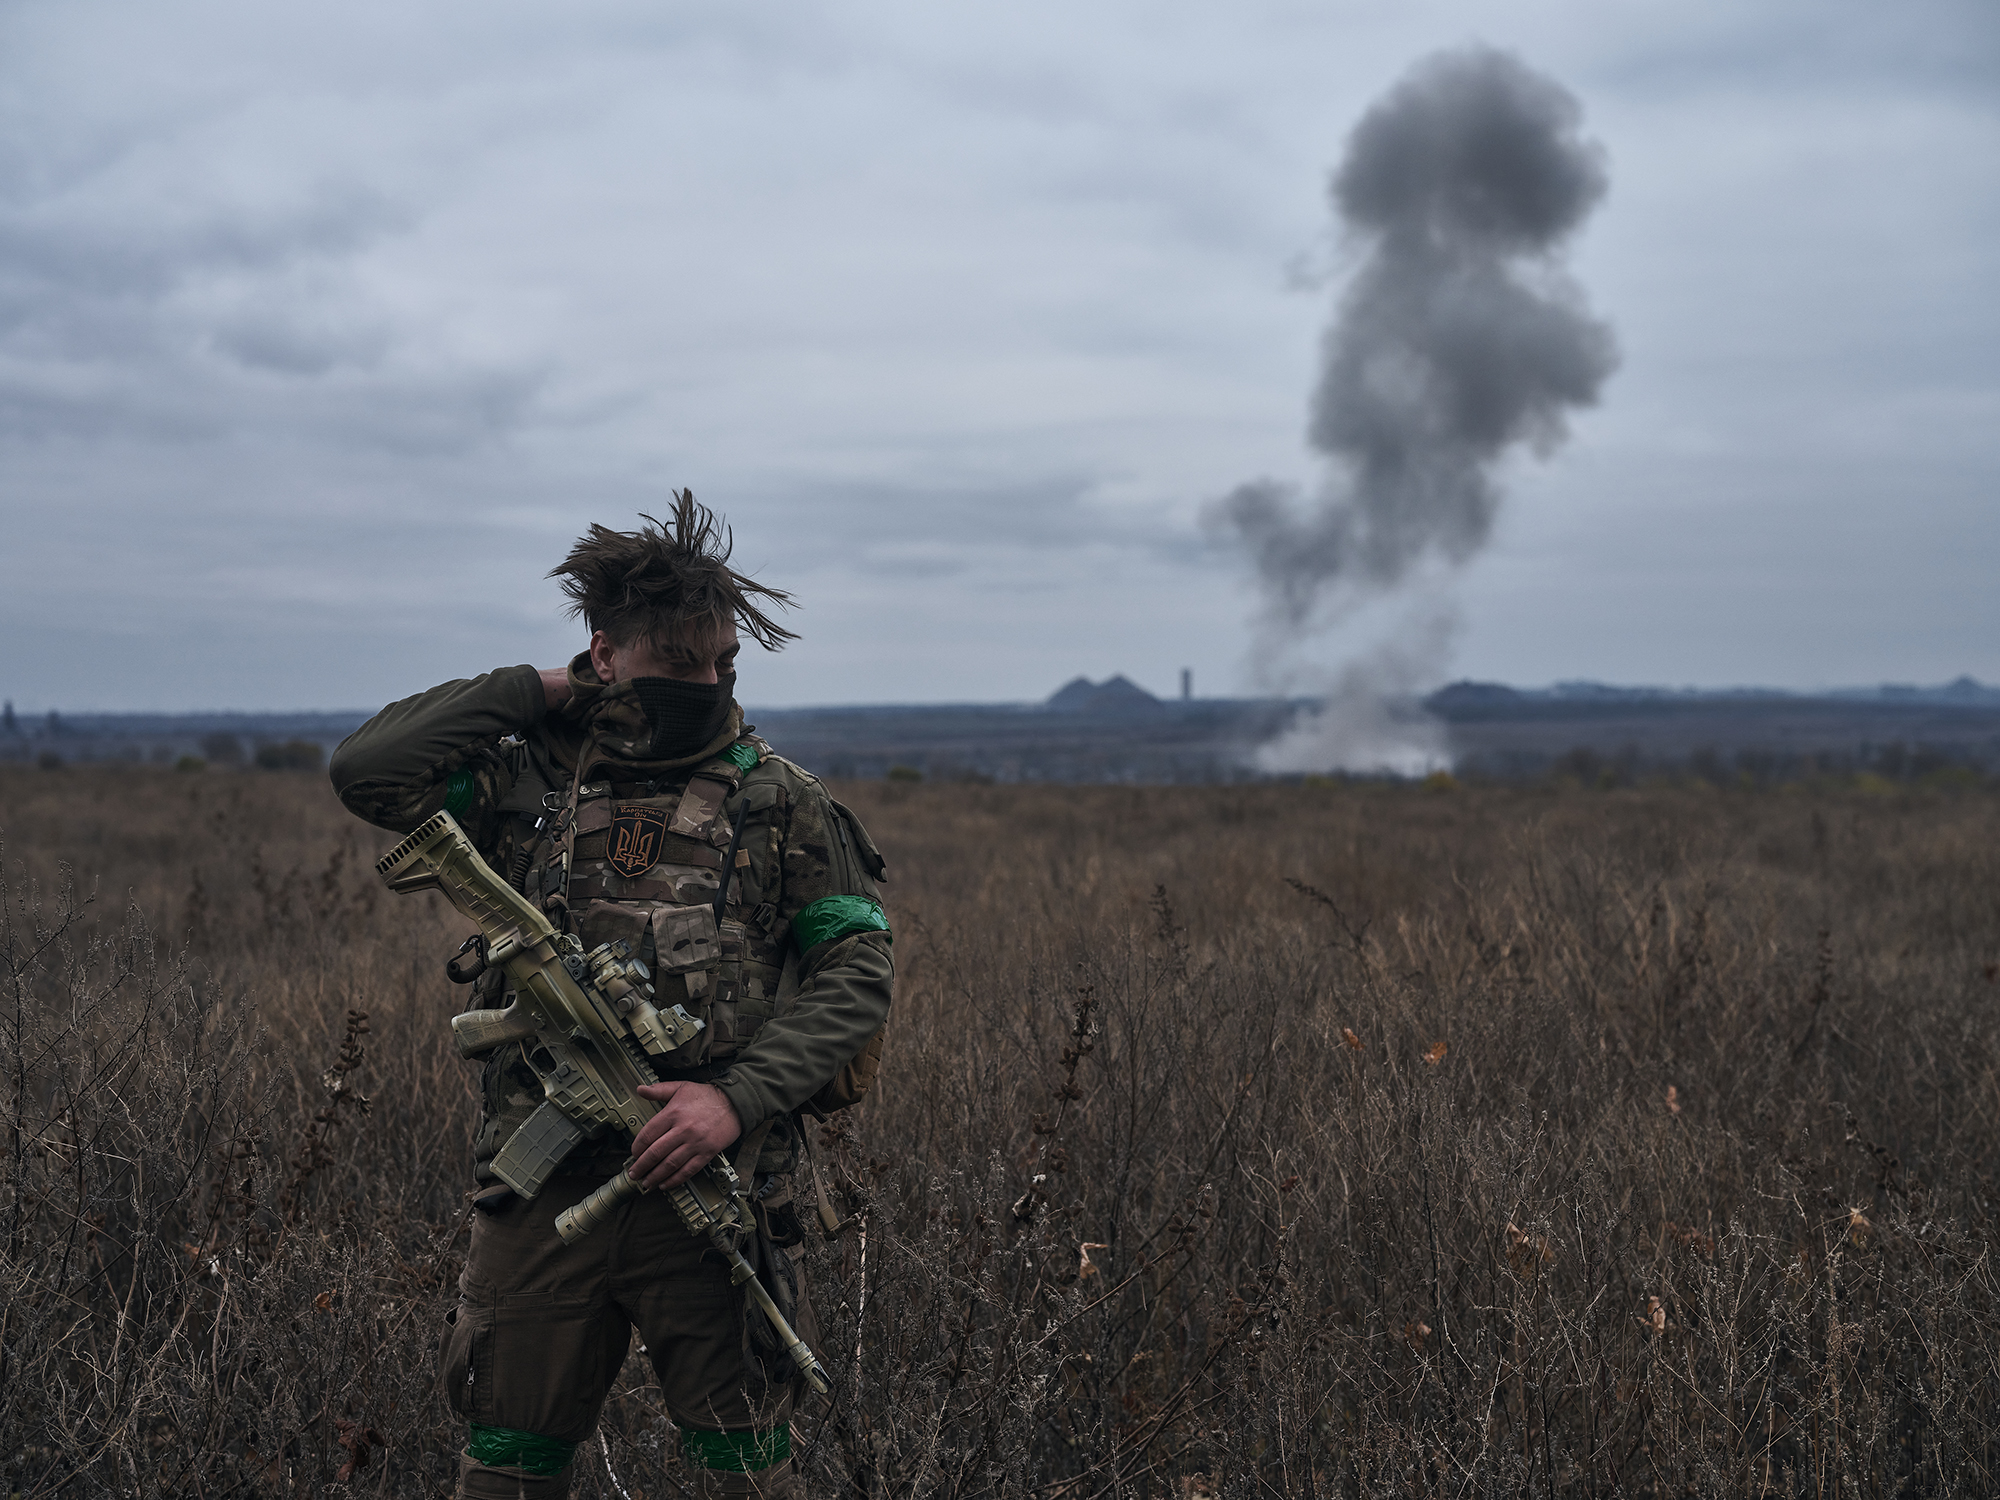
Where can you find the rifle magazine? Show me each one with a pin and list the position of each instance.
(534, 1151)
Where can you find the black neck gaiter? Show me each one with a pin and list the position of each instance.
(686, 716)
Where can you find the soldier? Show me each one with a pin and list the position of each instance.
(613, 793)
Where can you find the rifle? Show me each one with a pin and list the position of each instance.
(587, 1025)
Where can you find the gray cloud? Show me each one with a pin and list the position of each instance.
(323, 331)
(145, 309)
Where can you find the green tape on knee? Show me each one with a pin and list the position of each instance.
(504, 1448)
(742, 1452)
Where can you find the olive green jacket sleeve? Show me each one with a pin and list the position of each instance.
(399, 767)
(844, 980)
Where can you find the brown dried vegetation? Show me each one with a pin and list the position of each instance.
(1233, 1141)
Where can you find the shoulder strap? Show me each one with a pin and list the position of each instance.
(701, 804)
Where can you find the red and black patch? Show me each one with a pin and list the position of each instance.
(638, 834)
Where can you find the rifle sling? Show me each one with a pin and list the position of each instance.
(830, 1223)
(753, 1143)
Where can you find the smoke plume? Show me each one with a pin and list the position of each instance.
(1459, 338)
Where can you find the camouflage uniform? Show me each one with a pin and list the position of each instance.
(568, 804)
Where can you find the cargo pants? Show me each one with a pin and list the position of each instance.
(542, 1328)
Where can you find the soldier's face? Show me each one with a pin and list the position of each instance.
(709, 658)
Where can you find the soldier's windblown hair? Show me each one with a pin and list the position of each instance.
(664, 584)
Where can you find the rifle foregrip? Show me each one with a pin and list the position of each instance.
(574, 1223)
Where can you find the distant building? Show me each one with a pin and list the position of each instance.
(1113, 698)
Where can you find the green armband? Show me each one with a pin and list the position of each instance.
(458, 789)
(835, 917)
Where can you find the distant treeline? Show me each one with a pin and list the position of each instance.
(222, 750)
(1599, 737)
(272, 742)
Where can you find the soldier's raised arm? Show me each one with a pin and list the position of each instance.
(440, 749)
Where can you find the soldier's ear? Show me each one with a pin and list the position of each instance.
(603, 657)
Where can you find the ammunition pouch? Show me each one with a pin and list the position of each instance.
(644, 866)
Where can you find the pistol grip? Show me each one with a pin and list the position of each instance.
(478, 1031)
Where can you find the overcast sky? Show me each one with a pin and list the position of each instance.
(324, 329)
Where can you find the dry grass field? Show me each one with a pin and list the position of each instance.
(1273, 1140)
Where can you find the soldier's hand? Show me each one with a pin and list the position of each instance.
(695, 1121)
(555, 686)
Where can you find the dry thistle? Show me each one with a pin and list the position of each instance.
(359, 1442)
(1687, 1237)
(1527, 1253)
